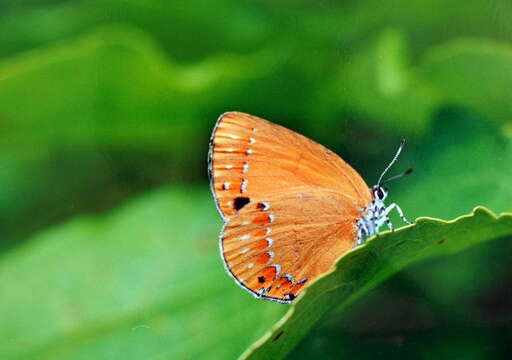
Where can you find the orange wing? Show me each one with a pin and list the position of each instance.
(290, 205)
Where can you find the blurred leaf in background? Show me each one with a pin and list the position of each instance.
(102, 101)
(143, 282)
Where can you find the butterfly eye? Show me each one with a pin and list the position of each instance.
(379, 193)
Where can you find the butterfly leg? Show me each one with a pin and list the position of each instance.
(388, 222)
(380, 220)
(362, 233)
(398, 210)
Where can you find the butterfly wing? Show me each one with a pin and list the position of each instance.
(274, 248)
(290, 204)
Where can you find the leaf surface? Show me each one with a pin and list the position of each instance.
(143, 282)
(364, 268)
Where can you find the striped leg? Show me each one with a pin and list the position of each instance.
(398, 210)
(388, 222)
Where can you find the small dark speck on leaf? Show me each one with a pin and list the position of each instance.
(278, 336)
(440, 242)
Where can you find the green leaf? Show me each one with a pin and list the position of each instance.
(465, 161)
(201, 33)
(119, 115)
(452, 69)
(364, 268)
(384, 84)
(143, 282)
(381, 83)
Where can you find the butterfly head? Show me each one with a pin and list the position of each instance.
(377, 212)
(379, 192)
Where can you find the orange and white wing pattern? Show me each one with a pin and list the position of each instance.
(290, 205)
(274, 247)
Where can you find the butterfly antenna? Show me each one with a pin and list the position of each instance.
(406, 172)
(402, 143)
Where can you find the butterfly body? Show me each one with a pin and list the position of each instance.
(291, 206)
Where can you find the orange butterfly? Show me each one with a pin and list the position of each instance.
(291, 207)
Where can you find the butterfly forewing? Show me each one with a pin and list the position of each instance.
(290, 205)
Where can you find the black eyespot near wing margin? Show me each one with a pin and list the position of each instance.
(240, 202)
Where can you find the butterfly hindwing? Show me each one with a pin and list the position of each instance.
(275, 246)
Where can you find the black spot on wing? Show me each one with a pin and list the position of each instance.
(290, 296)
(240, 202)
(261, 206)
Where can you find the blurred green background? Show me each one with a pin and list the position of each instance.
(108, 245)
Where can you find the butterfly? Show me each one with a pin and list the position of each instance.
(291, 207)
